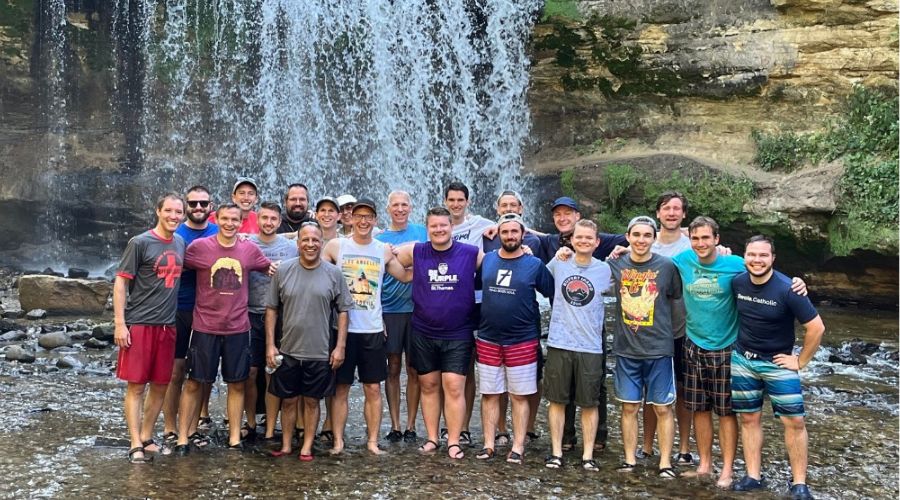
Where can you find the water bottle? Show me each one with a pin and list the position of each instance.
(278, 360)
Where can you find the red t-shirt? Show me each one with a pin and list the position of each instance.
(248, 225)
(223, 283)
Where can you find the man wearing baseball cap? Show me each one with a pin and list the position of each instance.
(328, 213)
(345, 204)
(244, 194)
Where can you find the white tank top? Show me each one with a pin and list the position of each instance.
(363, 269)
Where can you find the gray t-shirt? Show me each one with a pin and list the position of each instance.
(679, 315)
(643, 307)
(280, 249)
(576, 322)
(153, 266)
(307, 297)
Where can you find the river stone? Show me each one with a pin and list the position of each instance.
(14, 314)
(93, 343)
(36, 314)
(69, 362)
(47, 328)
(50, 272)
(858, 346)
(104, 332)
(54, 340)
(80, 335)
(78, 273)
(13, 336)
(847, 358)
(17, 353)
(63, 295)
(6, 325)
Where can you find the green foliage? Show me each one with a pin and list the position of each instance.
(782, 151)
(567, 9)
(619, 179)
(567, 182)
(16, 16)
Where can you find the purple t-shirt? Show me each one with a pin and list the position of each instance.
(223, 283)
(443, 291)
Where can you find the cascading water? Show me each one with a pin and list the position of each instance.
(345, 96)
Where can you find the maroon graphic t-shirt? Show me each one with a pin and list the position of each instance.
(223, 283)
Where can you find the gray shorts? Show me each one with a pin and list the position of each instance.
(398, 327)
(571, 376)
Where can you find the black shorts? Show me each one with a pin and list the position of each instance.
(205, 350)
(307, 378)
(257, 340)
(431, 355)
(366, 352)
(183, 322)
(678, 360)
(399, 330)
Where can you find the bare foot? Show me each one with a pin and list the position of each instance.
(373, 448)
(697, 473)
(455, 452)
(338, 447)
(724, 482)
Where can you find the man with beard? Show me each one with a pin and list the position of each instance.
(508, 335)
(196, 226)
(145, 296)
(221, 326)
(276, 248)
(397, 305)
(305, 291)
(763, 362)
(244, 195)
(296, 210)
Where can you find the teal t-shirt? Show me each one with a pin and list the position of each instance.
(396, 297)
(712, 320)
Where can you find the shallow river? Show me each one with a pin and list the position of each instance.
(50, 422)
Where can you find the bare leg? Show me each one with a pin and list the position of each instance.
(556, 419)
(752, 440)
(429, 385)
(470, 394)
(372, 412)
(666, 428)
(339, 408)
(490, 409)
(311, 422)
(728, 443)
(152, 407)
(250, 395)
(796, 441)
(204, 403)
(235, 406)
(412, 397)
(684, 421)
(134, 396)
(301, 419)
(173, 394)
(288, 418)
(589, 419)
(703, 432)
(629, 430)
(534, 402)
(392, 388)
(454, 408)
(189, 407)
(272, 404)
(503, 402)
(326, 425)
(519, 421)
(649, 428)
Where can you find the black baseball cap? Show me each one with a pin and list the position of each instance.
(364, 202)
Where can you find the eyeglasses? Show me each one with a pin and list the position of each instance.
(365, 217)
(195, 203)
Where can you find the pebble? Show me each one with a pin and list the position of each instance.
(54, 340)
(36, 314)
(13, 336)
(52, 328)
(17, 353)
(67, 362)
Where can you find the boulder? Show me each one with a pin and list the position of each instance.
(847, 358)
(78, 273)
(20, 354)
(54, 340)
(50, 272)
(13, 336)
(46, 328)
(6, 326)
(93, 343)
(69, 362)
(14, 314)
(105, 332)
(63, 295)
(36, 314)
(80, 335)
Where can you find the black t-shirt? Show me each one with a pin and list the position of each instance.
(289, 226)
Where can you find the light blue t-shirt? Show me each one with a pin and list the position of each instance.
(576, 322)
(278, 250)
(712, 320)
(396, 297)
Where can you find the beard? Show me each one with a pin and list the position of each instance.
(296, 213)
(512, 246)
(198, 218)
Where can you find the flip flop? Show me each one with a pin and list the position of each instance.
(305, 458)
(279, 453)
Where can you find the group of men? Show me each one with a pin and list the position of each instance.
(696, 330)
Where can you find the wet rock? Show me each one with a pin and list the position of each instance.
(78, 273)
(847, 358)
(36, 314)
(93, 343)
(68, 362)
(54, 340)
(63, 295)
(14, 314)
(858, 346)
(47, 328)
(20, 354)
(104, 332)
(14, 335)
(80, 324)
(6, 325)
(80, 335)
(50, 272)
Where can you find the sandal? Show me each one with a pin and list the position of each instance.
(626, 467)
(459, 455)
(250, 434)
(432, 451)
(305, 458)
(684, 459)
(502, 439)
(590, 465)
(485, 454)
(199, 440)
(143, 460)
(569, 445)
(532, 436)
(515, 458)
(667, 473)
(327, 436)
(279, 453)
(170, 437)
(204, 423)
(161, 450)
(465, 438)
(553, 462)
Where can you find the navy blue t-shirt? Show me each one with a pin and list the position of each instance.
(550, 243)
(509, 308)
(187, 291)
(530, 240)
(766, 314)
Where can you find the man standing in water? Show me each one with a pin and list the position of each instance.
(763, 362)
(363, 262)
(397, 305)
(305, 291)
(145, 296)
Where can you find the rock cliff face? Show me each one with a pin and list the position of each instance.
(662, 83)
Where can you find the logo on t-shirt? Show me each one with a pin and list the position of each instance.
(226, 274)
(362, 275)
(168, 267)
(440, 280)
(504, 276)
(578, 291)
(637, 296)
(705, 286)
